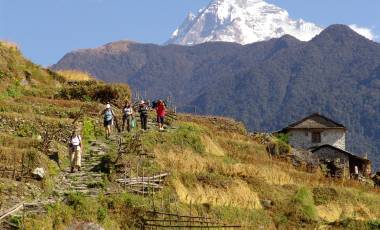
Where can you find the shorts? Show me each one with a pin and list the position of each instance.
(160, 119)
(107, 123)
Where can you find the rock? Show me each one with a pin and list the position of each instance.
(85, 226)
(376, 179)
(39, 173)
(267, 203)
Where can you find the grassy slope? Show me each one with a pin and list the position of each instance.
(227, 174)
(214, 165)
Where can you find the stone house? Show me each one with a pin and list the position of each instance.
(326, 139)
(316, 130)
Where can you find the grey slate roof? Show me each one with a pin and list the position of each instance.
(315, 121)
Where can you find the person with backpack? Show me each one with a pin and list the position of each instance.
(143, 110)
(75, 150)
(161, 111)
(108, 117)
(127, 116)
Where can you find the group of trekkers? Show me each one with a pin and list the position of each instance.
(129, 120)
(109, 118)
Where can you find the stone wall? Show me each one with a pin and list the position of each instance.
(336, 162)
(302, 138)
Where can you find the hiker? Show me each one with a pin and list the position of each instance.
(108, 117)
(127, 116)
(75, 150)
(143, 110)
(160, 110)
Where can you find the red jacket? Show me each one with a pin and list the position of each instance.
(160, 110)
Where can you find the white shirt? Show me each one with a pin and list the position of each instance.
(128, 111)
(76, 140)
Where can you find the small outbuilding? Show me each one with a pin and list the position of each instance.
(316, 130)
(342, 164)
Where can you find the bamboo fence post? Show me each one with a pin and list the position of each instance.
(190, 216)
(22, 167)
(14, 166)
(142, 179)
(130, 171)
(125, 178)
(154, 208)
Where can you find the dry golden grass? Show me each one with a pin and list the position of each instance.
(212, 147)
(9, 44)
(17, 142)
(48, 101)
(75, 75)
(219, 196)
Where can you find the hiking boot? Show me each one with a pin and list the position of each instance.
(72, 169)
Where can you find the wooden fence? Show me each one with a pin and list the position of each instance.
(162, 220)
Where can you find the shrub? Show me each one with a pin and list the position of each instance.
(374, 224)
(88, 129)
(75, 75)
(96, 91)
(102, 214)
(26, 130)
(188, 135)
(304, 205)
(283, 137)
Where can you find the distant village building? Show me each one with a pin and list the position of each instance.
(316, 130)
(326, 139)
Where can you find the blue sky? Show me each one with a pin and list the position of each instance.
(47, 29)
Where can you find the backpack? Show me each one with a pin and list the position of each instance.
(133, 123)
(108, 115)
(154, 104)
(71, 144)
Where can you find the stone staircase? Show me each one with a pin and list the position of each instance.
(90, 180)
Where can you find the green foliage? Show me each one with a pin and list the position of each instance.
(17, 221)
(13, 90)
(134, 201)
(96, 91)
(278, 147)
(75, 200)
(26, 130)
(2, 74)
(304, 204)
(374, 224)
(61, 215)
(283, 137)
(88, 129)
(249, 218)
(102, 214)
(188, 135)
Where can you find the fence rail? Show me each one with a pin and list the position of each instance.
(171, 220)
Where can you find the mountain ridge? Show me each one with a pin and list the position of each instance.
(241, 21)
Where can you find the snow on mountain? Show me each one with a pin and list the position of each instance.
(241, 21)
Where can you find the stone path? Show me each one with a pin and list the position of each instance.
(90, 180)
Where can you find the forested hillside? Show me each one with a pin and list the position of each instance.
(266, 85)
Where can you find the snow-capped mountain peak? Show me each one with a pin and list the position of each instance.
(241, 21)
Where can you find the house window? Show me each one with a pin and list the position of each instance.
(316, 137)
